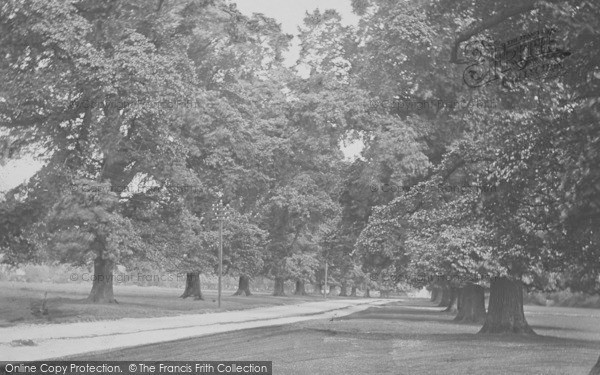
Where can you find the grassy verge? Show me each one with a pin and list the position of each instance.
(66, 303)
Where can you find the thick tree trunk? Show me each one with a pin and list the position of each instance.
(445, 295)
(102, 286)
(279, 289)
(505, 311)
(192, 286)
(435, 293)
(596, 368)
(343, 291)
(453, 300)
(331, 290)
(471, 304)
(243, 286)
(367, 293)
(300, 288)
(353, 292)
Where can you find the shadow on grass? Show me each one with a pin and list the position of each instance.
(475, 338)
(388, 309)
(395, 312)
(399, 313)
(554, 328)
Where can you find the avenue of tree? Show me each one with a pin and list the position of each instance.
(146, 113)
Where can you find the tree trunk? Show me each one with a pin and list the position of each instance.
(343, 291)
(300, 288)
(102, 285)
(439, 295)
(243, 286)
(446, 297)
(367, 293)
(331, 290)
(353, 292)
(453, 300)
(317, 288)
(192, 286)
(279, 287)
(471, 304)
(596, 368)
(435, 293)
(505, 311)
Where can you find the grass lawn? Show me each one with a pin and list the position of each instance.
(405, 337)
(66, 303)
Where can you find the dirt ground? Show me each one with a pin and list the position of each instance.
(405, 337)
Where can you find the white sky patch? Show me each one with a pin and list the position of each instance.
(290, 14)
(352, 146)
(18, 171)
(352, 150)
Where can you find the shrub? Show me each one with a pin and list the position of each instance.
(563, 298)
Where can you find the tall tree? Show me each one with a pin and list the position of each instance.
(122, 92)
(84, 87)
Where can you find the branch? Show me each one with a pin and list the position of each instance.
(446, 174)
(475, 28)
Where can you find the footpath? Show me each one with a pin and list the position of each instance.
(53, 341)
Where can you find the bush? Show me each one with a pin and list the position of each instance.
(563, 298)
(535, 298)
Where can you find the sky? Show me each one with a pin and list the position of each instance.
(289, 13)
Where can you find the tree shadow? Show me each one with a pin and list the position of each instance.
(554, 328)
(398, 313)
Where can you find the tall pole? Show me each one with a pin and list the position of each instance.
(325, 291)
(220, 257)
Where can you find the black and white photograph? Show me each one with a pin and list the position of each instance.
(312, 187)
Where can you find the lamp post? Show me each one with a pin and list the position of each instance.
(326, 285)
(220, 214)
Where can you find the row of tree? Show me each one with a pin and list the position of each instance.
(146, 114)
(539, 147)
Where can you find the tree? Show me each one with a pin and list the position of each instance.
(533, 148)
(301, 267)
(402, 62)
(19, 217)
(295, 215)
(243, 252)
(471, 304)
(86, 225)
(398, 67)
(88, 98)
(128, 94)
(505, 310)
